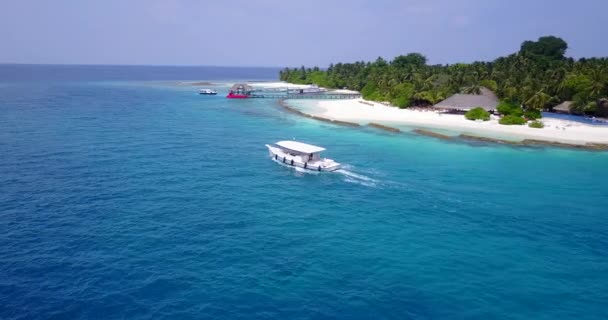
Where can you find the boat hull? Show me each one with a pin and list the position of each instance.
(324, 166)
(237, 96)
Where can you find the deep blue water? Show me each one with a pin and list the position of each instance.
(62, 73)
(139, 200)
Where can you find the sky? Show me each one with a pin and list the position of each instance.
(282, 33)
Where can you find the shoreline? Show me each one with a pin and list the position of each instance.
(356, 113)
(285, 106)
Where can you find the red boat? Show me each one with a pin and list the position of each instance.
(232, 95)
(240, 91)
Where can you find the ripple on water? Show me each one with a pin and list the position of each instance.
(141, 201)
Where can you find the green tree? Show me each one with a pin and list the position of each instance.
(536, 124)
(598, 82)
(302, 74)
(430, 96)
(477, 114)
(490, 84)
(512, 120)
(380, 63)
(371, 92)
(576, 84)
(413, 59)
(532, 114)
(506, 108)
(538, 101)
(474, 89)
(549, 46)
(537, 76)
(401, 95)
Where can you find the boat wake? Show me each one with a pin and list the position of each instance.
(356, 178)
(346, 172)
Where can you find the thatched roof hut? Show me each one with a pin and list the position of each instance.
(241, 87)
(465, 102)
(563, 107)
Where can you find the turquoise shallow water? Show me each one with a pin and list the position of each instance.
(140, 200)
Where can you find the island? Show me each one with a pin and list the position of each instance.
(503, 99)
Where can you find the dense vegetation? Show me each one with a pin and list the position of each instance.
(509, 109)
(513, 110)
(536, 124)
(537, 77)
(512, 120)
(477, 114)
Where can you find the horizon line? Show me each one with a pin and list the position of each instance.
(136, 65)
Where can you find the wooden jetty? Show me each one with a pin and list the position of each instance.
(308, 96)
(242, 91)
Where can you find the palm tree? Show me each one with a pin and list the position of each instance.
(510, 92)
(539, 100)
(519, 77)
(430, 96)
(383, 83)
(474, 89)
(599, 81)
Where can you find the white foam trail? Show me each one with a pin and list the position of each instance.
(356, 176)
(352, 177)
(349, 176)
(363, 175)
(363, 183)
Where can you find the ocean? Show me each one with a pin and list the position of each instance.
(126, 195)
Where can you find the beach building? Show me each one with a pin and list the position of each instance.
(240, 91)
(563, 107)
(465, 102)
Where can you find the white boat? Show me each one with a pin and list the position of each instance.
(302, 155)
(207, 92)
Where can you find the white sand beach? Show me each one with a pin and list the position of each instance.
(344, 91)
(365, 112)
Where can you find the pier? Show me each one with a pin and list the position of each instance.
(242, 91)
(308, 96)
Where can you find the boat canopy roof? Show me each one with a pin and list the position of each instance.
(299, 147)
(241, 87)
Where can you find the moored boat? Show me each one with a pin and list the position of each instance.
(240, 91)
(302, 155)
(207, 92)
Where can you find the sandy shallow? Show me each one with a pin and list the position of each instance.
(365, 112)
